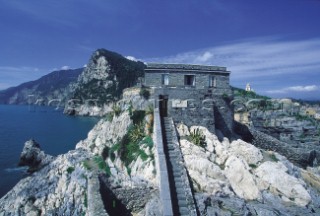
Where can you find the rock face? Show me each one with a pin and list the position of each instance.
(107, 74)
(274, 176)
(241, 180)
(57, 189)
(238, 178)
(33, 157)
(60, 185)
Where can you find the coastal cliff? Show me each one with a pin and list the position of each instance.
(70, 183)
(114, 171)
(107, 74)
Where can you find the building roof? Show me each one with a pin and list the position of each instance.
(185, 67)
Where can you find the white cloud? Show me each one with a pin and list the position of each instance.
(204, 57)
(256, 57)
(65, 67)
(85, 65)
(132, 58)
(309, 88)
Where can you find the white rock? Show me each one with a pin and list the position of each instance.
(182, 130)
(248, 152)
(207, 176)
(241, 180)
(274, 176)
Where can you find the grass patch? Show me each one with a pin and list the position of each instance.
(274, 158)
(148, 141)
(109, 117)
(145, 93)
(70, 170)
(128, 170)
(143, 155)
(253, 166)
(116, 110)
(102, 165)
(86, 164)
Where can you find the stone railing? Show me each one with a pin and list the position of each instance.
(95, 203)
(162, 169)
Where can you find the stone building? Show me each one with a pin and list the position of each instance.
(192, 94)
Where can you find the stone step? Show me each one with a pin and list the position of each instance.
(184, 211)
(178, 179)
(182, 203)
(181, 196)
(180, 191)
(178, 184)
(176, 174)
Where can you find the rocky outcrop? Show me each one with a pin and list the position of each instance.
(107, 74)
(63, 185)
(33, 157)
(238, 178)
(57, 189)
(241, 180)
(274, 177)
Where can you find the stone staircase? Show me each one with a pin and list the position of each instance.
(182, 198)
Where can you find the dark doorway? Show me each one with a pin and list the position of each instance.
(163, 105)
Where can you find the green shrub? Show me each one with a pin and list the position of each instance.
(143, 155)
(116, 109)
(109, 117)
(137, 116)
(100, 162)
(102, 165)
(128, 170)
(105, 152)
(145, 93)
(149, 110)
(197, 138)
(253, 166)
(274, 158)
(86, 164)
(148, 141)
(112, 156)
(70, 170)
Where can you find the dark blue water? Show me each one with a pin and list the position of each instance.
(56, 133)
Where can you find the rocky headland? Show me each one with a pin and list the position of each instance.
(114, 171)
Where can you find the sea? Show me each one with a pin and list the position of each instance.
(55, 132)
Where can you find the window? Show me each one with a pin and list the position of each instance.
(212, 81)
(189, 80)
(165, 79)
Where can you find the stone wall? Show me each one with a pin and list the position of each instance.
(176, 79)
(198, 107)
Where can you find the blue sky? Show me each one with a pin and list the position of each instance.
(274, 44)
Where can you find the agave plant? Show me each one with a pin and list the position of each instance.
(137, 133)
(197, 138)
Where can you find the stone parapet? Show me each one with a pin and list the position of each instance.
(162, 169)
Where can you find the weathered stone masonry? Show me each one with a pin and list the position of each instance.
(193, 94)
